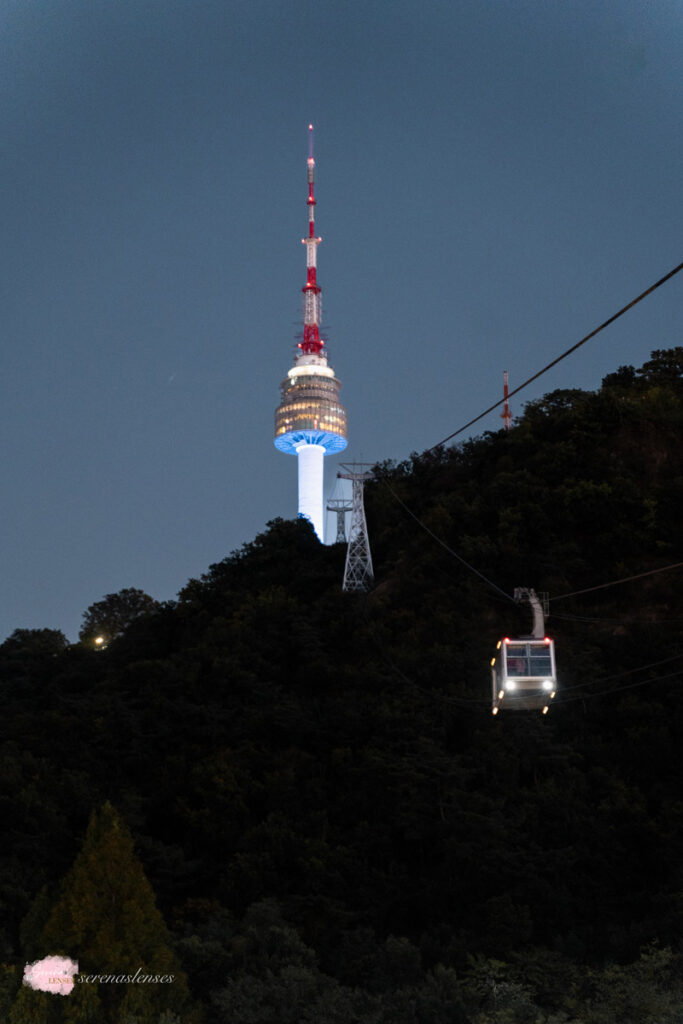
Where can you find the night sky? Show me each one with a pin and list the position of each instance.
(494, 180)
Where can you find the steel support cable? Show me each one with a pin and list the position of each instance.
(444, 545)
(620, 675)
(564, 355)
(613, 583)
(621, 619)
(442, 698)
(560, 597)
(393, 667)
(604, 618)
(520, 387)
(416, 686)
(617, 689)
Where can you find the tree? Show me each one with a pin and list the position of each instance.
(106, 919)
(647, 991)
(278, 980)
(665, 366)
(109, 617)
(35, 642)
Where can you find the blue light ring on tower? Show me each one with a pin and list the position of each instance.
(332, 443)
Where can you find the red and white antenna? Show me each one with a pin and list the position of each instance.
(312, 344)
(506, 415)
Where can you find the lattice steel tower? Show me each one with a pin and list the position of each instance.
(358, 571)
(310, 422)
(340, 506)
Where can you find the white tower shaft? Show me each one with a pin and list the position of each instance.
(310, 460)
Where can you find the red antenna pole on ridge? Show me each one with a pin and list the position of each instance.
(506, 415)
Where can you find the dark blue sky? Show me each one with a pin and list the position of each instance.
(494, 180)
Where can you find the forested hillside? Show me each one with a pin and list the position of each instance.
(333, 823)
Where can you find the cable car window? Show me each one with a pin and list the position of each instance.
(539, 663)
(528, 660)
(517, 662)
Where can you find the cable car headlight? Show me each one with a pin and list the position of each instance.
(546, 684)
(510, 684)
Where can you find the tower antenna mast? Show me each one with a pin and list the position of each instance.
(310, 422)
(311, 344)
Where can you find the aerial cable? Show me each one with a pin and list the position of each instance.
(450, 550)
(625, 620)
(613, 583)
(581, 696)
(393, 667)
(620, 675)
(442, 698)
(515, 391)
(618, 689)
(592, 618)
(560, 597)
(564, 355)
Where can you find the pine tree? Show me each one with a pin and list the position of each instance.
(106, 918)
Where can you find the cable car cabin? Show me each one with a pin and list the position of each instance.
(523, 674)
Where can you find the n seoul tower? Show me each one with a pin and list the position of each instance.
(309, 421)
